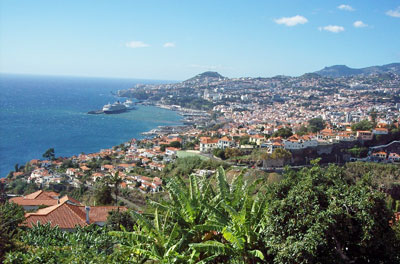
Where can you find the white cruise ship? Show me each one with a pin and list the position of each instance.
(114, 108)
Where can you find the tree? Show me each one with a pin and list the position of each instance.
(232, 152)
(362, 125)
(3, 195)
(373, 114)
(49, 154)
(284, 132)
(16, 167)
(316, 124)
(175, 144)
(281, 153)
(116, 181)
(220, 153)
(102, 194)
(11, 215)
(318, 215)
(303, 130)
(116, 219)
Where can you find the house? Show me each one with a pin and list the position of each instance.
(394, 157)
(272, 144)
(207, 144)
(299, 142)
(381, 155)
(97, 175)
(170, 151)
(225, 142)
(67, 215)
(71, 171)
(107, 167)
(343, 136)
(84, 168)
(34, 200)
(365, 135)
(46, 163)
(380, 131)
(258, 139)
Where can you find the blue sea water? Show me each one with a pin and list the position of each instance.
(42, 112)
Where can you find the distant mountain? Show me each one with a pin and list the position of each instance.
(343, 70)
(206, 76)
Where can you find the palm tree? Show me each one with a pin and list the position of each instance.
(116, 181)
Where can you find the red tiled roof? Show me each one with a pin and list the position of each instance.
(42, 198)
(68, 216)
(63, 215)
(100, 213)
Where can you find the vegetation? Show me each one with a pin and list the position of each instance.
(358, 152)
(49, 154)
(284, 132)
(363, 125)
(44, 244)
(103, 194)
(11, 215)
(316, 124)
(314, 215)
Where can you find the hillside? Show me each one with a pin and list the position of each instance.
(344, 71)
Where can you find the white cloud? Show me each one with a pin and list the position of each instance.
(169, 45)
(291, 21)
(394, 13)
(346, 7)
(359, 24)
(332, 28)
(136, 44)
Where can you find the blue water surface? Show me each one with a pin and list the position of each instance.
(41, 112)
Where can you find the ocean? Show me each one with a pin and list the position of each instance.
(42, 112)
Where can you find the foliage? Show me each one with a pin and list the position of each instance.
(232, 152)
(116, 219)
(284, 132)
(314, 215)
(220, 153)
(183, 167)
(200, 223)
(316, 124)
(103, 194)
(3, 194)
(114, 180)
(173, 144)
(49, 154)
(382, 177)
(358, 152)
(11, 215)
(319, 216)
(281, 153)
(362, 125)
(46, 244)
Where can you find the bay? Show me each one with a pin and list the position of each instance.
(41, 112)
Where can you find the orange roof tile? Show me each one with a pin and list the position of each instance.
(68, 216)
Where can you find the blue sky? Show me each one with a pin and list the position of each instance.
(174, 40)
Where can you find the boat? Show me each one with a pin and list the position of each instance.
(114, 108)
(129, 104)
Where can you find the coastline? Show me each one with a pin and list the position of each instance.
(55, 116)
(161, 130)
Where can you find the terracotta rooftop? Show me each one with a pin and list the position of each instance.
(42, 198)
(67, 216)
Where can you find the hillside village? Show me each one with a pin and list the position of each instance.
(140, 163)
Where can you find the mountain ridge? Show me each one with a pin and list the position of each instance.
(345, 71)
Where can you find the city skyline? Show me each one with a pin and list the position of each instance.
(174, 41)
